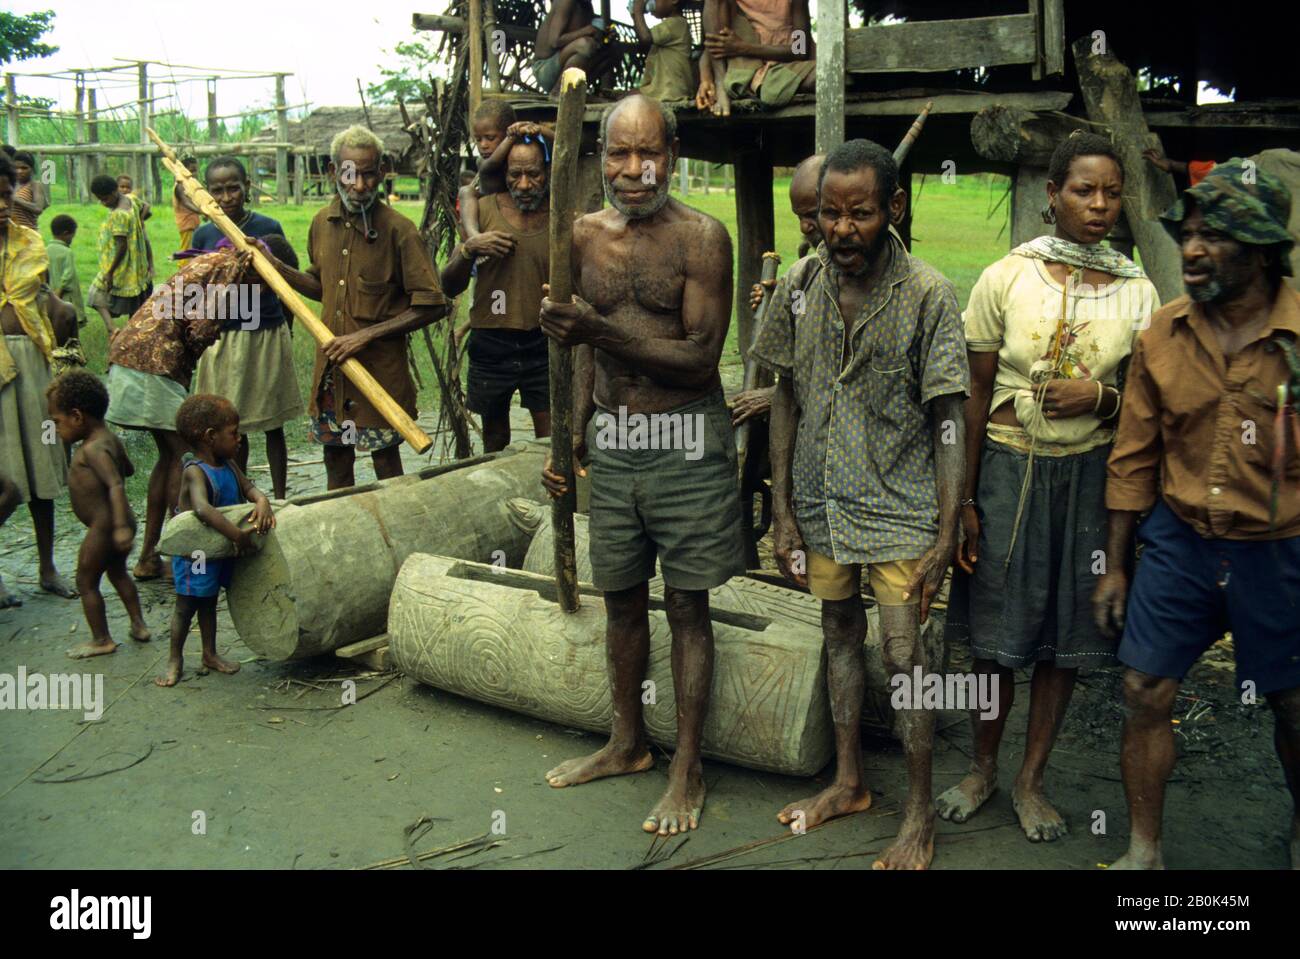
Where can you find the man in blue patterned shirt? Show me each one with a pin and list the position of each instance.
(867, 458)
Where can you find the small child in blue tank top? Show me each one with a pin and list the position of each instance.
(210, 480)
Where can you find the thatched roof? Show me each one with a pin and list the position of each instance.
(318, 128)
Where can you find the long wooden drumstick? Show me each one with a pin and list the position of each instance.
(388, 407)
(564, 190)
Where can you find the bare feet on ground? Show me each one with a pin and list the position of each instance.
(1038, 817)
(86, 650)
(682, 803)
(834, 800)
(172, 676)
(219, 664)
(1140, 855)
(965, 799)
(140, 632)
(609, 761)
(149, 567)
(7, 598)
(914, 846)
(56, 584)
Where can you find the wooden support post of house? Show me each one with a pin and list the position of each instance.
(591, 184)
(281, 134)
(756, 234)
(904, 227)
(831, 23)
(1111, 97)
(1036, 64)
(475, 55)
(143, 185)
(151, 160)
(82, 193)
(299, 172)
(490, 34)
(1028, 201)
(11, 110)
(214, 132)
(92, 135)
(1053, 23)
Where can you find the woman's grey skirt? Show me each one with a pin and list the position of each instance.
(1038, 606)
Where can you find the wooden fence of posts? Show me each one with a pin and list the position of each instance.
(83, 158)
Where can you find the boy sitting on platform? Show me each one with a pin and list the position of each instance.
(77, 403)
(209, 480)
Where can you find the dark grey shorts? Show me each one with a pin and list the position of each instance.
(1038, 607)
(681, 503)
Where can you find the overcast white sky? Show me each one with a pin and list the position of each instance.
(326, 47)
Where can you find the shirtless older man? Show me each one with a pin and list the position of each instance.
(654, 278)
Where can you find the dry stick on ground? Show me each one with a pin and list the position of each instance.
(361, 378)
(103, 772)
(399, 861)
(564, 190)
(746, 848)
(368, 692)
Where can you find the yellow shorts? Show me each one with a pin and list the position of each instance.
(827, 579)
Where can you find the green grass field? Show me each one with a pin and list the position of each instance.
(952, 230)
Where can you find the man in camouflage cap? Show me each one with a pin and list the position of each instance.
(1209, 443)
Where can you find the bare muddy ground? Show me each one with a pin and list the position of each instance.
(281, 777)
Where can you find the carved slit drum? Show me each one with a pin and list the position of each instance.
(323, 576)
(498, 636)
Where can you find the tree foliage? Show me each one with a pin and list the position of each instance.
(406, 80)
(20, 35)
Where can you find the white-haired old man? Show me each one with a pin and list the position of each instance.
(376, 284)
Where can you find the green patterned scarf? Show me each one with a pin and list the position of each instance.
(1103, 259)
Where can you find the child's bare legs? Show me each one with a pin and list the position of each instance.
(91, 561)
(124, 585)
(715, 16)
(182, 616)
(164, 488)
(208, 634)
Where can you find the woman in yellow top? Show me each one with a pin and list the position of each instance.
(1049, 329)
(31, 456)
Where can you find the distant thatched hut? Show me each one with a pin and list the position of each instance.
(312, 134)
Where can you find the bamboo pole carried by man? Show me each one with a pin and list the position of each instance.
(354, 371)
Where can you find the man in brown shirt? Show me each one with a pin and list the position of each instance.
(507, 350)
(1209, 437)
(373, 276)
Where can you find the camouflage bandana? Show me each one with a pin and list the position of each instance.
(1251, 209)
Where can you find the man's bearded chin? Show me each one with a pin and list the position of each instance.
(1206, 292)
(639, 211)
(355, 205)
(870, 255)
(528, 200)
